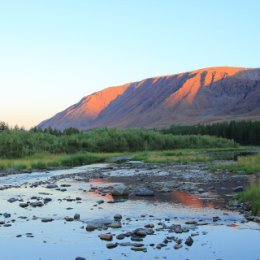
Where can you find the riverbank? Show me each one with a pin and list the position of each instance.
(49, 161)
(220, 160)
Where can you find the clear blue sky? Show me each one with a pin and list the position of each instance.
(53, 52)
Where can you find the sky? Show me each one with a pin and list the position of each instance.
(54, 52)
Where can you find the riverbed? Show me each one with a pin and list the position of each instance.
(165, 211)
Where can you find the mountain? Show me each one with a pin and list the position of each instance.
(201, 96)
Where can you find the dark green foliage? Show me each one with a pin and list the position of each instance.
(39, 166)
(243, 132)
(79, 159)
(17, 143)
(3, 126)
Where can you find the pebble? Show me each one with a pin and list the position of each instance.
(52, 186)
(189, 241)
(177, 246)
(115, 225)
(107, 237)
(117, 217)
(45, 220)
(24, 204)
(7, 215)
(120, 236)
(11, 200)
(77, 216)
(90, 228)
(139, 249)
(111, 245)
(215, 219)
(69, 219)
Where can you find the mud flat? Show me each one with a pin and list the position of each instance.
(130, 210)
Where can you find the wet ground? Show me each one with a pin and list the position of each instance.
(143, 211)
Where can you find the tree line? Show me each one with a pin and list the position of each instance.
(17, 142)
(243, 132)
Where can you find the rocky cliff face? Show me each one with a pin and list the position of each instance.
(201, 96)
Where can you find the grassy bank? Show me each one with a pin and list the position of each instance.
(46, 160)
(188, 155)
(252, 195)
(244, 165)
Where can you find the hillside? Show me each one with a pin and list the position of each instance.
(201, 96)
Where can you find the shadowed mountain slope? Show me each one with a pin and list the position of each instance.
(201, 96)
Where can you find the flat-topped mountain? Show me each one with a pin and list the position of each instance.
(201, 96)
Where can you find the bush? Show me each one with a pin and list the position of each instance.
(18, 143)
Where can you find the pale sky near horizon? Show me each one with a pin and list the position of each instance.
(54, 52)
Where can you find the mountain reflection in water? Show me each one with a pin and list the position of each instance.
(190, 200)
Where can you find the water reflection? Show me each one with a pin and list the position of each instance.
(190, 200)
(98, 180)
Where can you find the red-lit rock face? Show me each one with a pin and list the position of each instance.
(206, 95)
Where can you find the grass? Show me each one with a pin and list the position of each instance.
(187, 155)
(244, 165)
(46, 160)
(252, 195)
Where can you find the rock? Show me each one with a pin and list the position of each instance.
(111, 245)
(36, 204)
(24, 204)
(77, 216)
(149, 225)
(120, 236)
(117, 217)
(177, 229)
(115, 225)
(189, 241)
(126, 244)
(45, 220)
(238, 189)
(158, 246)
(139, 249)
(46, 200)
(177, 246)
(142, 232)
(100, 201)
(11, 200)
(90, 228)
(120, 190)
(215, 219)
(107, 237)
(143, 191)
(80, 258)
(136, 238)
(52, 186)
(65, 185)
(7, 215)
(69, 219)
(192, 222)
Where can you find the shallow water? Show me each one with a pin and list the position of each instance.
(19, 179)
(229, 238)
